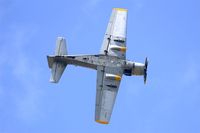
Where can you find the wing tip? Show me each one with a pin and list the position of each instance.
(121, 9)
(102, 122)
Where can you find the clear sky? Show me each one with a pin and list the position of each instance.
(166, 31)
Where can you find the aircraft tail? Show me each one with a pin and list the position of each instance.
(57, 67)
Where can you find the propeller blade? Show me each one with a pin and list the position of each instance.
(145, 70)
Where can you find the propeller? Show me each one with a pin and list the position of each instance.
(145, 70)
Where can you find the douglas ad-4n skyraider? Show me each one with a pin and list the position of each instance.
(110, 64)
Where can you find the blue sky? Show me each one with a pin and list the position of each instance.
(167, 32)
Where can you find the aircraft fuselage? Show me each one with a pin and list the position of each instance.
(93, 61)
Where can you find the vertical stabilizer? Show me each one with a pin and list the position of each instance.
(61, 46)
(57, 67)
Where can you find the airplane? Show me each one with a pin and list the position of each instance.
(110, 64)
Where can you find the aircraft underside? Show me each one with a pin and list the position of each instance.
(110, 64)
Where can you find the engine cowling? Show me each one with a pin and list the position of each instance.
(138, 69)
(135, 68)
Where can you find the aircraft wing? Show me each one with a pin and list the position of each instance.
(108, 81)
(114, 42)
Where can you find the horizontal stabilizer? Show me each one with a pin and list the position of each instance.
(57, 71)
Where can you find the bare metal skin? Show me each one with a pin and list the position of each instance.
(110, 64)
